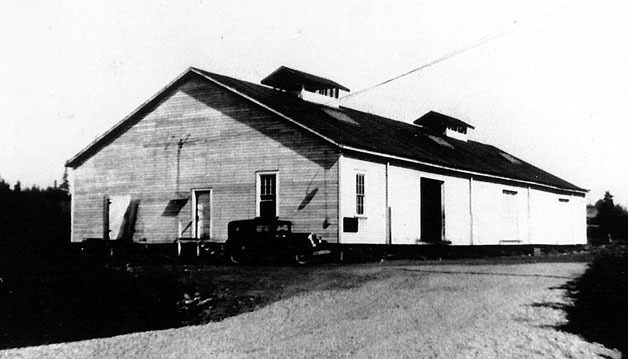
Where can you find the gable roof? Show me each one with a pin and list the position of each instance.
(354, 130)
(291, 79)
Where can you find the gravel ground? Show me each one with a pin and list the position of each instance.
(406, 311)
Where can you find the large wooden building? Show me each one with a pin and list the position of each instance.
(209, 149)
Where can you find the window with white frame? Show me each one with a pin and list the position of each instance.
(359, 194)
(267, 194)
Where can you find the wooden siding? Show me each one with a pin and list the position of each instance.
(472, 217)
(225, 141)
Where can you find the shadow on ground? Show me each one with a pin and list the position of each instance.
(51, 296)
(59, 294)
(597, 306)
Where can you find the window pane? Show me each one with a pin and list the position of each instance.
(268, 197)
(360, 204)
(359, 194)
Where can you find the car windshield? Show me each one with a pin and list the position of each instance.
(268, 228)
(263, 228)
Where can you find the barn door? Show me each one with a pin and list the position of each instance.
(202, 214)
(510, 216)
(564, 228)
(432, 214)
(115, 209)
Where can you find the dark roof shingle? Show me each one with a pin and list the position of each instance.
(379, 134)
(364, 131)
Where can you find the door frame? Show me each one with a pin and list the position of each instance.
(516, 217)
(443, 227)
(194, 210)
(258, 190)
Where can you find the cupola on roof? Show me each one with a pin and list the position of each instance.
(289, 79)
(444, 125)
(437, 121)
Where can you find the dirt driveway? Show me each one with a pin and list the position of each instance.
(400, 310)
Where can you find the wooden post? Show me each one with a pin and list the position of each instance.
(388, 209)
(471, 223)
(105, 218)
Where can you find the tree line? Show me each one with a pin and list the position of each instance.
(610, 222)
(43, 215)
(38, 216)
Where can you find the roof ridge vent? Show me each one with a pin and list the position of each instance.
(444, 125)
(306, 86)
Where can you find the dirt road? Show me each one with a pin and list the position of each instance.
(404, 311)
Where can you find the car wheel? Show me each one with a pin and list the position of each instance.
(302, 259)
(237, 254)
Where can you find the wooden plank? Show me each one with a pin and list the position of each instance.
(202, 136)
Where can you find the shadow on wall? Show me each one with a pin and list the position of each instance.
(308, 198)
(226, 104)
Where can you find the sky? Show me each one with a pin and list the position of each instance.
(549, 86)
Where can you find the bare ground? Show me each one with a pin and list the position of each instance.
(394, 310)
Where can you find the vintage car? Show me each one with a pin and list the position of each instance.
(260, 238)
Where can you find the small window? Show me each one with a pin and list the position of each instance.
(350, 225)
(563, 200)
(359, 193)
(267, 195)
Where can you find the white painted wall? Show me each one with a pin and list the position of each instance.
(371, 225)
(556, 222)
(475, 211)
(405, 190)
(489, 215)
(405, 205)
(457, 214)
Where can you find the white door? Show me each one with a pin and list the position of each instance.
(510, 217)
(202, 203)
(117, 208)
(564, 228)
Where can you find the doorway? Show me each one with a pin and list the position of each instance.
(510, 215)
(202, 213)
(115, 216)
(432, 214)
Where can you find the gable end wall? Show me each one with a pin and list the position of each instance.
(224, 140)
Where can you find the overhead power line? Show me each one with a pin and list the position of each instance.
(504, 30)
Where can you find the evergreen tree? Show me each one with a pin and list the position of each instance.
(65, 184)
(612, 218)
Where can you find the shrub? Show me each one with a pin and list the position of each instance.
(600, 300)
